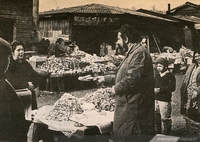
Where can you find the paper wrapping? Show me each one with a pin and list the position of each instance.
(103, 120)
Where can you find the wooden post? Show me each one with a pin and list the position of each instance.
(36, 13)
(188, 37)
(156, 42)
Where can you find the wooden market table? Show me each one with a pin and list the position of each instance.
(41, 131)
(51, 129)
(63, 83)
(89, 134)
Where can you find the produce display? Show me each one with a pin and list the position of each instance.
(60, 66)
(78, 53)
(103, 99)
(98, 67)
(95, 59)
(64, 108)
(68, 105)
(56, 65)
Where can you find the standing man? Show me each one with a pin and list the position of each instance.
(134, 87)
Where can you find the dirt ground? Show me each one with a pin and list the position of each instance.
(178, 123)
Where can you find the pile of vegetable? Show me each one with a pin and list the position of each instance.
(64, 108)
(103, 99)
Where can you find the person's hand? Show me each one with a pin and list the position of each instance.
(100, 79)
(113, 89)
(197, 89)
(156, 90)
(30, 86)
(121, 56)
(195, 93)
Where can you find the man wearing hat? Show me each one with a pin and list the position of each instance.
(165, 85)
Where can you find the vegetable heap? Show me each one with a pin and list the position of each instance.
(64, 108)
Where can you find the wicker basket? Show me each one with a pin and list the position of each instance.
(192, 127)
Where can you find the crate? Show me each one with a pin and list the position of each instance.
(192, 127)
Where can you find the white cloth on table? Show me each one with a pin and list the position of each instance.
(103, 120)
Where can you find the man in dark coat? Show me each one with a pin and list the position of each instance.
(134, 87)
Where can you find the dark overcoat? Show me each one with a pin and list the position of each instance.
(134, 89)
(192, 109)
(12, 117)
(19, 74)
(183, 89)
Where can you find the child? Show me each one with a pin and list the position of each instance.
(165, 85)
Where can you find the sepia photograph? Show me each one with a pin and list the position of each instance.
(99, 71)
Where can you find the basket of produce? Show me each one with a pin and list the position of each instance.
(192, 127)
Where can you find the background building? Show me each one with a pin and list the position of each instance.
(17, 18)
(92, 24)
(187, 11)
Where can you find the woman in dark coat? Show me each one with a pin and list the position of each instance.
(20, 73)
(12, 117)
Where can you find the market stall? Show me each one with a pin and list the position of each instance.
(78, 116)
(62, 73)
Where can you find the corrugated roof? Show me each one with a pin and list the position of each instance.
(100, 9)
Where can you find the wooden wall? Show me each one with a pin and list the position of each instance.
(52, 28)
(189, 32)
(19, 11)
(188, 11)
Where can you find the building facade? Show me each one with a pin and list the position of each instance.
(17, 18)
(90, 25)
(188, 11)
